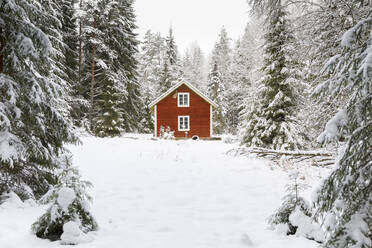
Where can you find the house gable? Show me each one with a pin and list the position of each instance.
(175, 87)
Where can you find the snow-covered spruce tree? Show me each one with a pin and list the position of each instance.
(241, 70)
(166, 78)
(53, 14)
(275, 126)
(219, 79)
(71, 60)
(69, 203)
(319, 28)
(216, 92)
(344, 200)
(150, 59)
(92, 39)
(127, 48)
(221, 54)
(70, 38)
(109, 77)
(171, 52)
(170, 70)
(32, 129)
(192, 66)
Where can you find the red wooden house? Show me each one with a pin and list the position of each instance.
(185, 109)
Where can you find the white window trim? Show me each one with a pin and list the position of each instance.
(188, 99)
(155, 121)
(210, 121)
(183, 116)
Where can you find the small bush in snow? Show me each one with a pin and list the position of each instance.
(166, 133)
(291, 202)
(282, 214)
(69, 203)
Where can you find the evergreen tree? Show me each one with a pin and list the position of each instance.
(69, 203)
(170, 71)
(165, 78)
(150, 59)
(172, 53)
(32, 128)
(216, 93)
(319, 28)
(70, 39)
(221, 55)
(220, 75)
(291, 202)
(127, 48)
(241, 70)
(344, 202)
(111, 46)
(193, 66)
(109, 78)
(93, 41)
(275, 125)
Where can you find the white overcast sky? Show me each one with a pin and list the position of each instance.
(192, 20)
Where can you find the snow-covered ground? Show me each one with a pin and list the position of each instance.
(168, 194)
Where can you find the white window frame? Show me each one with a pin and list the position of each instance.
(188, 121)
(188, 99)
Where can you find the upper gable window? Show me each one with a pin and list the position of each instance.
(183, 99)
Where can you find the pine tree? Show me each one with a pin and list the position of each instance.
(172, 53)
(241, 70)
(193, 66)
(32, 128)
(127, 50)
(93, 41)
(70, 51)
(111, 46)
(70, 39)
(109, 78)
(165, 78)
(150, 59)
(319, 28)
(216, 93)
(275, 125)
(344, 201)
(220, 75)
(221, 55)
(170, 70)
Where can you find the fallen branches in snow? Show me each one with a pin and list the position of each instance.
(316, 158)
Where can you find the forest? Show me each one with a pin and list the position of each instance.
(298, 78)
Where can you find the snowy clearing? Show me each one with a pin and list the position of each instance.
(166, 194)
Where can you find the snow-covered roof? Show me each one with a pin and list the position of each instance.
(181, 82)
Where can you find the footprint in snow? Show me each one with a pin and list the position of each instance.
(246, 240)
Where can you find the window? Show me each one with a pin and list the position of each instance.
(183, 100)
(184, 123)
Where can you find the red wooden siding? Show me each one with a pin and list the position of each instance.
(199, 110)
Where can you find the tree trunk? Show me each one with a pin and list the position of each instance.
(92, 78)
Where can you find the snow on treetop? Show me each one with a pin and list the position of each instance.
(65, 197)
